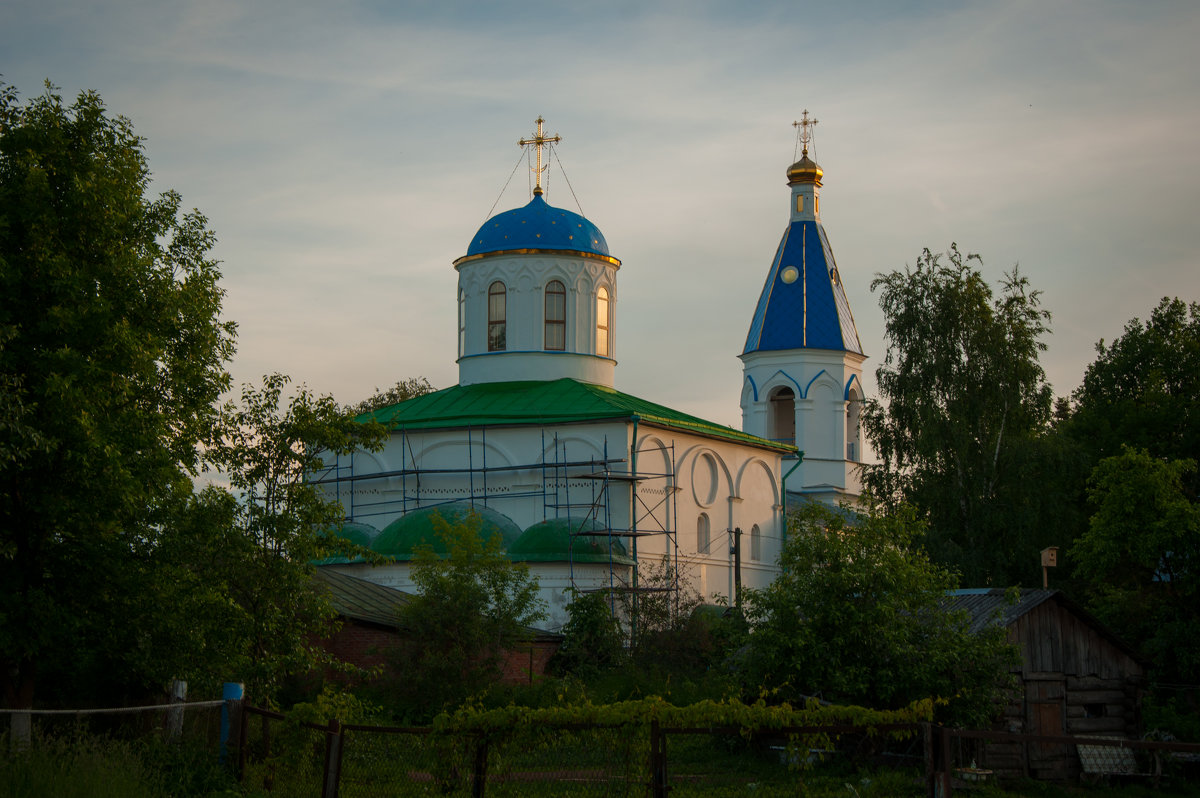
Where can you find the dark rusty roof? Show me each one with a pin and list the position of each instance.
(367, 602)
(994, 605)
(361, 600)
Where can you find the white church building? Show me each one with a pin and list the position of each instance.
(585, 483)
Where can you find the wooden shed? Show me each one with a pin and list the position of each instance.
(1075, 678)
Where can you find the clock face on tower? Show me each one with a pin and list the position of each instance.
(789, 274)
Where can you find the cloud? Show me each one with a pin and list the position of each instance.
(345, 153)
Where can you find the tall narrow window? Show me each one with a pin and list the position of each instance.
(556, 315)
(783, 415)
(755, 544)
(702, 534)
(853, 431)
(497, 341)
(602, 344)
(462, 323)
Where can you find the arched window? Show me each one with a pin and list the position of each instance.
(853, 430)
(602, 343)
(497, 340)
(702, 534)
(556, 315)
(755, 544)
(462, 322)
(783, 415)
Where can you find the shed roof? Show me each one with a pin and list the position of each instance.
(361, 600)
(993, 605)
(541, 402)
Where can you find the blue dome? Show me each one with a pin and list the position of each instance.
(538, 226)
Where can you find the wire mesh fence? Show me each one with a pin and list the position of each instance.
(719, 762)
(569, 760)
(286, 758)
(281, 757)
(383, 761)
(974, 758)
(196, 723)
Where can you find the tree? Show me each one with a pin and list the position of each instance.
(963, 400)
(1140, 558)
(1143, 391)
(593, 641)
(277, 525)
(112, 356)
(857, 615)
(472, 608)
(402, 391)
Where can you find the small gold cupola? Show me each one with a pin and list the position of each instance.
(806, 169)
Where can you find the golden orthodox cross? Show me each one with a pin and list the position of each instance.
(540, 140)
(804, 129)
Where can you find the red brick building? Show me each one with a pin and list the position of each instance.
(369, 612)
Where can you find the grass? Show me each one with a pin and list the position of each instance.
(77, 766)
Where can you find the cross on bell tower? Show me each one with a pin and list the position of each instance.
(540, 140)
(804, 130)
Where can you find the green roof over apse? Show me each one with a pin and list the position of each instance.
(357, 533)
(546, 402)
(400, 538)
(568, 540)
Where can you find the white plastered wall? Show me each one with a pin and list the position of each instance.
(737, 485)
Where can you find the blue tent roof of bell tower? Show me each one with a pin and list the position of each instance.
(803, 304)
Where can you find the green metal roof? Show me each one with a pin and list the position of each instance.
(546, 402)
(568, 540)
(400, 538)
(357, 533)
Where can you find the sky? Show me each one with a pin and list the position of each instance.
(346, 152)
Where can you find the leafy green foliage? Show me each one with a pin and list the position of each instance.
(1141, 558)
(112, 356)
(593, 640)
(402, 391)
(640, 713)
(472, 608)
(1143, 390)
(857, 615)
(963, 396)
(276, 526)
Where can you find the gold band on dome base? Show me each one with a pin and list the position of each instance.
(572, 253)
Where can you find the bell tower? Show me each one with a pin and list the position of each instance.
(802, 363)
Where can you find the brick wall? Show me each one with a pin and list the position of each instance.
(367, 647)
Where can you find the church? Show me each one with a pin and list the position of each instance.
(594, 488)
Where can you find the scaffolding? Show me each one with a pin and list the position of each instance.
(606, 496)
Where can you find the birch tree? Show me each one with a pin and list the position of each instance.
(963, 399)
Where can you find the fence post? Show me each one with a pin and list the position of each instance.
(658, 762)
(930, 758)
(243, 735)
(333, 759)
(479, 786)
(947, 764)
(175, 714)
(231, 694)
